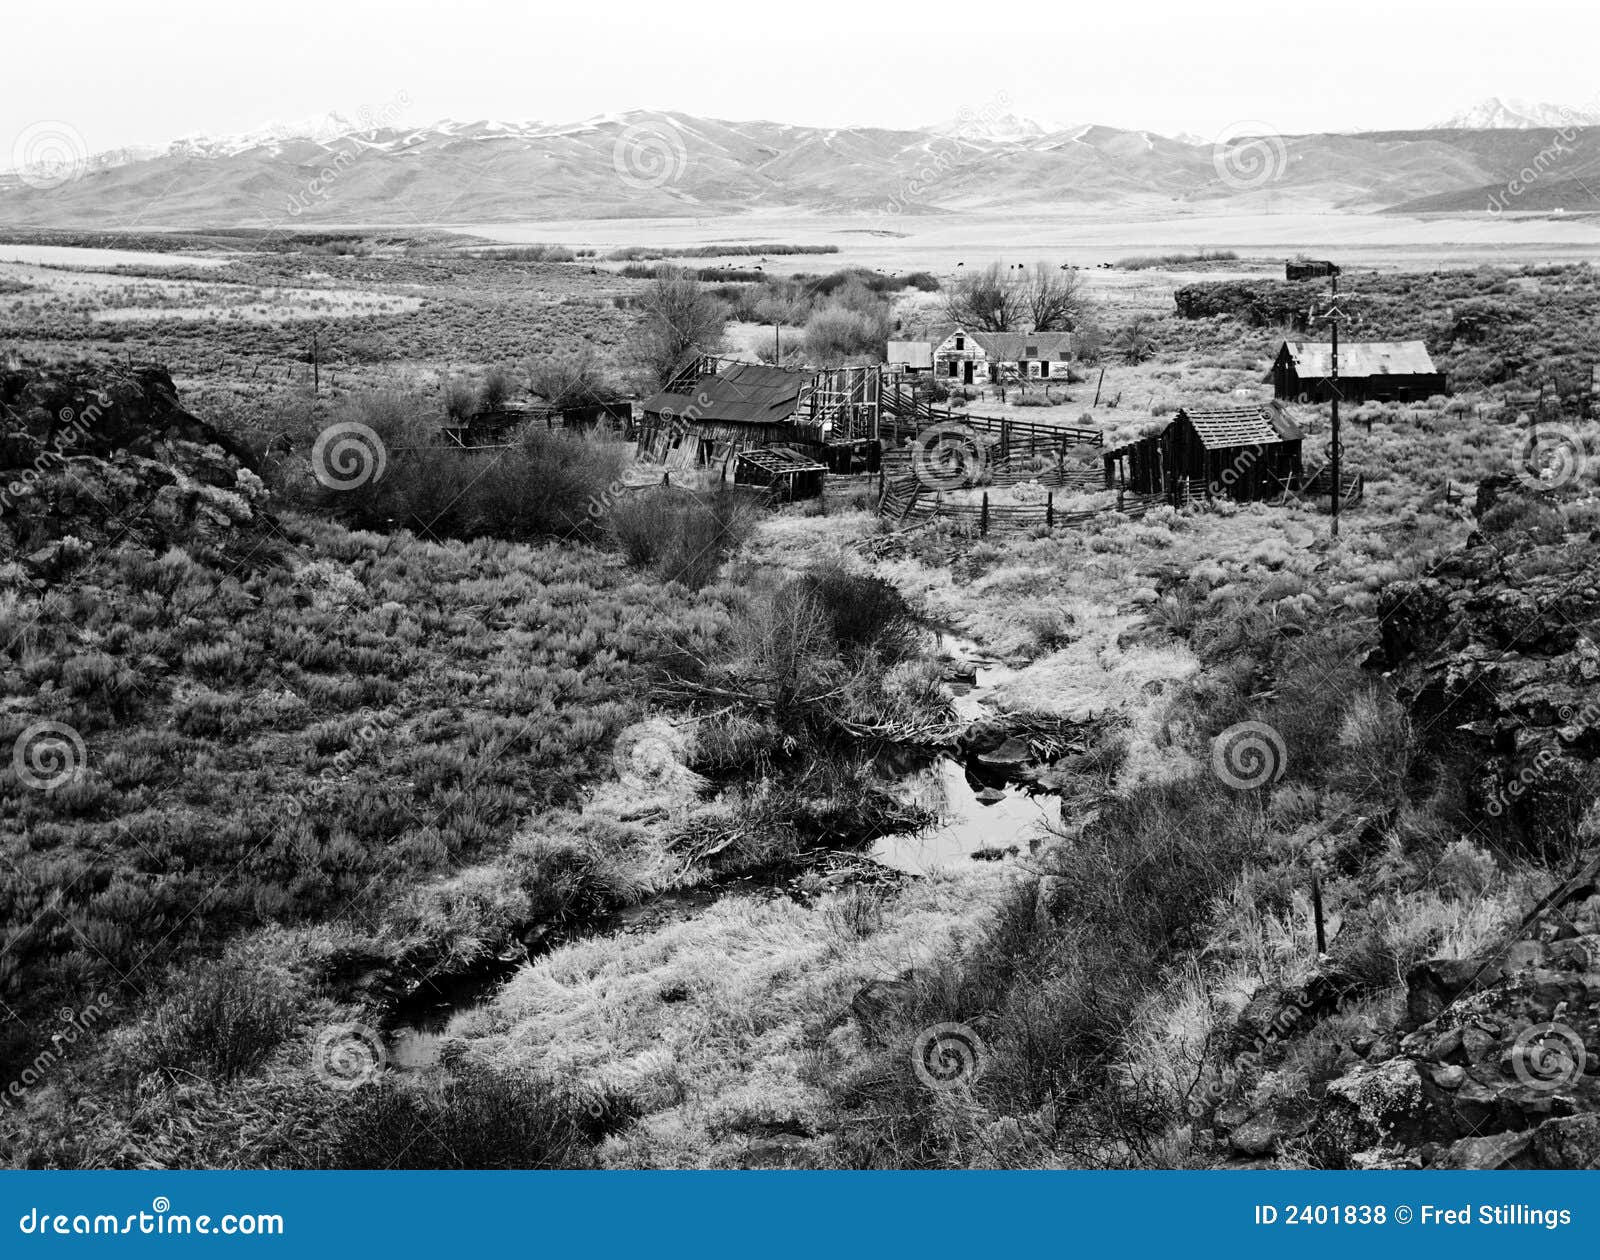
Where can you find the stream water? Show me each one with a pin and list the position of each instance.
(982, 814)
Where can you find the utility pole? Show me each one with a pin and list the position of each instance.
(1335, 447)
(1334, 453)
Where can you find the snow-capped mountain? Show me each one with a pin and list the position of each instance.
(374, 170)
(1005, 127)
(1514, 114)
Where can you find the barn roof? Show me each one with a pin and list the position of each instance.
(743, 393)
(1361, 358)
(1260, 424)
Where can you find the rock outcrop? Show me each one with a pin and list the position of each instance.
(89, 460)
(1494, 1061)
(1497, 655)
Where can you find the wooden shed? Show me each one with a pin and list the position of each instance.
(1369, 371)
(1245, 453)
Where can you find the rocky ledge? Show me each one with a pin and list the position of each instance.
(94, 458)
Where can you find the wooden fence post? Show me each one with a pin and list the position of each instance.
(983, 518)
(1050, 510)
(1316, 911)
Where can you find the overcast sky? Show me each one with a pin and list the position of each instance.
(124, 73)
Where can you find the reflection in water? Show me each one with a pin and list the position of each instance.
(1003, 817)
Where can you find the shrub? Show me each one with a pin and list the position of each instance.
(220, 1021)
(478, 1119)
(544, 484)
(498, 385)
(686, 536)
(861, 611)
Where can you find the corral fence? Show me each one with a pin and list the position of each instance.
(905, 502)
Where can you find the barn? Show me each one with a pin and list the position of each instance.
(1369, 371)
(708, 421)
(1245, 453)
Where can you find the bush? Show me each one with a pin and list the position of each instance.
(221, 1021)
(478, 1119)
(861, 611)
(544, 484)
(686, 536)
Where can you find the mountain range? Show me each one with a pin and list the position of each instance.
(664, 163)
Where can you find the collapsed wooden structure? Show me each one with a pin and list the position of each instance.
(787, 473)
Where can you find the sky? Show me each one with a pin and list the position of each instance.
(146, 73)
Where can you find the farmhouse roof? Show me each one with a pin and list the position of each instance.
(1007, 346)
(1261, 424)
(1012, 347)
(743, 393)
(1314, 359)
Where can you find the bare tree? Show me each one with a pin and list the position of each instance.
(1009, 299)
(680, 318)
(987, 299)
(1054, 299)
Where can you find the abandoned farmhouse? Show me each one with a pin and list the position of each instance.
(978, 357)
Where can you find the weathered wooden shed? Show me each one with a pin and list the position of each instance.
(1245, 453)
(1369, 371)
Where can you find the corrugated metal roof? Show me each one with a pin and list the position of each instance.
(1361, 358)
(743, 393)
(1256, 425)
